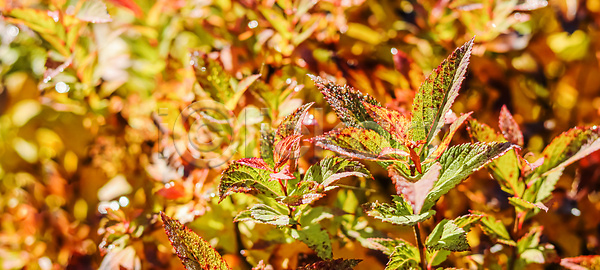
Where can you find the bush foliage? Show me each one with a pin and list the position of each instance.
(299, 134)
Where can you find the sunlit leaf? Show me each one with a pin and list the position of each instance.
(392, 121)
(581, 262)
(569, 147)
(467, 221)
(193, 251)
(448, 137)
(437, 93)
(240, 177)
(460, 161)
(509, 127)
(405, 256)
(346, 102)
(265, 214)
(385, 245)
(496, 229)
(331, 169)
(353, 142)
(447, 235)
(399, 213)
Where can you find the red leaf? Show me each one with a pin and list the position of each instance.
(510, 128)
(172, 191)
(391, 120)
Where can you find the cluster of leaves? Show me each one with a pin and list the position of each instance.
(101, 100)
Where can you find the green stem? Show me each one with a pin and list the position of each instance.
(420, 246)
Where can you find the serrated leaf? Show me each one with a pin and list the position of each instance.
(337, 264)
(460, 161)
(448, 137)
(316, 239)
(404, 256)
(437, 93)
(524, 205)
(391, 121)
(448, 236)
(265, 214)
(193, 251)
(385, 245)
(93, 11)
(400, 212)
(543, 188)
(581, 262)
(305, 192)
(569, 147)
(346, 102)
(353, 142)
(415, 192)
(240, 177)
(331, 169)
(505, 169)
(496, 229)
(467, 221)
(509, 127)
(292, 124)
(530, 240)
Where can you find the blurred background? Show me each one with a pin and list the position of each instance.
(97, 134)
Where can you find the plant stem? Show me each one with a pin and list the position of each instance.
(420, 246)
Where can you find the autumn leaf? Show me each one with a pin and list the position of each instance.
(509, 127)
(193, 251)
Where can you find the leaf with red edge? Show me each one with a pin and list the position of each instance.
(437, 93)
(254, 162)
(569, 147)
(292, 124)
(390, 120)
(448, 137)
(172, 191)
(93, 11)
(581, 262)
(337, 264)
(415, 192)
(509, 127)
(353, 142)
(346, 102)
(399, 213)
(246, 177)
(286, 149)
(193, 251)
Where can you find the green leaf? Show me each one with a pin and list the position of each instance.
(510, 128)
(529, 247)
(437, 257)
(437, 93)
(331, 169)
(278, 22)
(405, 256)
(193, 251)
(246, 175)
(400, 213)
(346, 102)
(316, 239)
(505, 169)
(448, 236)
(569, 147)
(213, 79)
(337, 264)
(415, 192)
(467, 221)
(353, 142)
(543, 187)
(496, 229)
(93, 11)
(460, 161)
(525, 206)
(265, 214)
